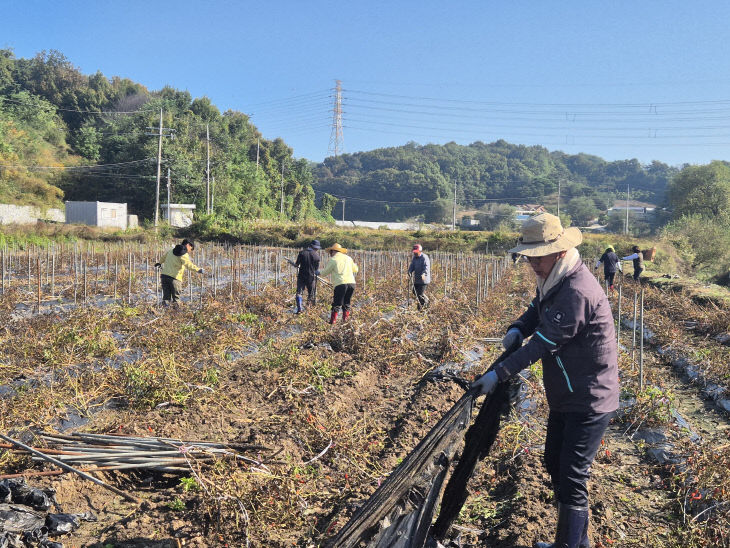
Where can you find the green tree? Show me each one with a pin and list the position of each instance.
(582, 210)
(701, 190)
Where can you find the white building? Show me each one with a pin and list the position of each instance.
(179, 215)
(104, 214)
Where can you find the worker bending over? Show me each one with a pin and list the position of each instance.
(173, 265)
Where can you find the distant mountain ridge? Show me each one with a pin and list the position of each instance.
(393, 184)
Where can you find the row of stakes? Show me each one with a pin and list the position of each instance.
(637, 323)
(81, 272)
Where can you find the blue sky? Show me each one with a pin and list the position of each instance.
(620, 79)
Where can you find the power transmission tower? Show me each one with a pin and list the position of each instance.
(337, 142)
(162, 132)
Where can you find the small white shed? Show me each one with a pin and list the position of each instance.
(104, 214)
(178, 215)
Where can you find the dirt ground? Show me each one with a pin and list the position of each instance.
(334, 409)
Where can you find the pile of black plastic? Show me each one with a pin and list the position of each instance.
(25, 520)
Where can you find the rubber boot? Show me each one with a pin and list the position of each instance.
(572, 529)
(333, 316)
(345, 315)
(299, 304)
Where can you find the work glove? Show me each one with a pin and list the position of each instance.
(158, 265)
(512, 338)
(423, 277)
(486, 383)
(200, 271)
(316, 272)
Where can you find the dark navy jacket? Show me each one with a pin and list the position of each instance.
(610, 262)
(573, 333)
(420, 265)
(308, 263)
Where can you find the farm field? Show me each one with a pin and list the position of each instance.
(321, 414)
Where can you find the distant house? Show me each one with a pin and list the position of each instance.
(179, 215)
(103, 214)
(525, 211)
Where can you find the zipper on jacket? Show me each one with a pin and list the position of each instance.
(565, 373)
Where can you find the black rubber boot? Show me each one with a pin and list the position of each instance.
(572, 528)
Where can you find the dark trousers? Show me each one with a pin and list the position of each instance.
(609, 277)
(420, 290)
(637, 273)
(170, 288)
(310, 286)
(341, 298)
(571, 443)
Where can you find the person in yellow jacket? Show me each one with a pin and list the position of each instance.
(342, 269)
(173, 265)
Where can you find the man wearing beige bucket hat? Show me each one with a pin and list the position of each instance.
(342, 269)
(572, 331)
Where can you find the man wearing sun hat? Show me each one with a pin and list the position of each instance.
(342, 269)
(420, 268)
(572, 331)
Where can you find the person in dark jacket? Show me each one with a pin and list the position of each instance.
(611, 264)
(572, 331)
(173, 266)
(308, 264)
(638, 258)
(420, 270)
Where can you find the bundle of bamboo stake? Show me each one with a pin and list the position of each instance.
(104, 452)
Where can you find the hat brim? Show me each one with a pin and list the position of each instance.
(570, 238)
(340, 249)
(316, 247)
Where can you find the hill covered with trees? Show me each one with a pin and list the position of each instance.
(67, 135)
(404, 182)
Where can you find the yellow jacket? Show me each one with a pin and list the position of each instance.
(342, 268)
(174, 265)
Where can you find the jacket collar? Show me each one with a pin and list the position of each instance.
(557, 287)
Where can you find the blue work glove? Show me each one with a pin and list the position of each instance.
(200, 271)
(486, 383)
(512, 338)
(316, 272)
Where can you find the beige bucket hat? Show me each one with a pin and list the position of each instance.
(543, 234)
(337, 247)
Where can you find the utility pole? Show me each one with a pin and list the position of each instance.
(558, 197)
(159, 167)
(160, 134)
(212, 196)
(453, 219)
(627, 209)
(343, 209)
(281, 209)
(258, 144)
(207, 169)
(169, 221)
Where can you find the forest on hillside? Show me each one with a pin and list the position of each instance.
(67, 135)
(412, 180)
